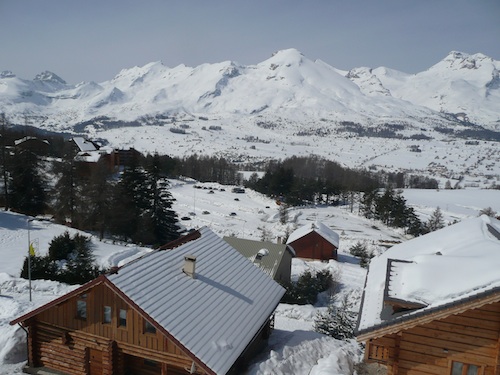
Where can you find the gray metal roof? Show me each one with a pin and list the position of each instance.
(249, 249)
(215, 315)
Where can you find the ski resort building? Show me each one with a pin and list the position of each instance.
(314, 241)
(432, 305)
(197, 307)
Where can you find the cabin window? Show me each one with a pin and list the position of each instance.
(81, 307)
(107, 314)
(123, 318)
(148, 327)
(459, 368)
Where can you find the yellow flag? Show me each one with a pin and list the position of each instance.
(32, 249)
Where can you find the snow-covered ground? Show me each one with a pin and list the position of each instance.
(294, 348)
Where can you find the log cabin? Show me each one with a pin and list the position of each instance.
(314, 241)
(431, 305)
(195, 307)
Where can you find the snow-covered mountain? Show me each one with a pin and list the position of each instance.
(467, 86)
(288, 85)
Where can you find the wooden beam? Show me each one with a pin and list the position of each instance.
(427, 317)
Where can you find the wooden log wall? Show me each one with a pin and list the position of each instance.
(65, 315)
(60, 340)
(471, 337)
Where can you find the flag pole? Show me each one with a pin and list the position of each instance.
(29, 259)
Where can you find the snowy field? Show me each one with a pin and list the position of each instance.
(441, 158)
(294, 348)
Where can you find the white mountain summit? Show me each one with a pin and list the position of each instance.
(288, 85)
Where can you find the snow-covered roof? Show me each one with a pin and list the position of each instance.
(214, 315)
(84, 145)
(317, 227)
(29, 138)
(92, 156)
(432, 272)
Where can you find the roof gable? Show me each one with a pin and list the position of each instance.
(317, 227)
(464, 255)
(214, 315)
(61, 299)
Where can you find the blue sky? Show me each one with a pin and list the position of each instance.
(93, 40)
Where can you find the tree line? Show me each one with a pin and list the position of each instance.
(136, 205)
(312, 179)
(133, 204)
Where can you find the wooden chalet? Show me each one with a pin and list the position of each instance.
(314, 241)
(89, 156)
(275, 259)
(33, 144)
(80, 144)
(190, 309)
(432, 305)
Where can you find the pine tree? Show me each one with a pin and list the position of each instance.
(80, 265)
(436, 221)
(129, 201)
(41, 267)
(413, 224)
(163, 218)
(283, 213)
(142, 205)
(488, 211)
(95, 201)
(66, 191)
(70, 260)
(265, 234)
(28, 187)
(61, 247)
(359, 250)
(368, 204)
(338, 322)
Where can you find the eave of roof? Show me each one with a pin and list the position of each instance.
(427, 315)
(389, 279)
(468, 247)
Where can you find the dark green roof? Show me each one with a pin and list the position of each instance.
(250, 248)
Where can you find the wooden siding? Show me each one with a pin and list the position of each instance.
(471, 337)
(60, 340)
(55, 348)
(314, 246)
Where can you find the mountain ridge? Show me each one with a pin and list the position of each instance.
(286, 85)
